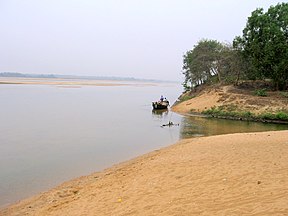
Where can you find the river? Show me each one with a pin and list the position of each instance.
(50, 134)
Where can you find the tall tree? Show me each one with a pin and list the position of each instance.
(264, 43)
(211, 61)
(201, 63)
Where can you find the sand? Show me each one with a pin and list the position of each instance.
(71, 83)
(235, 174)
(199, 104)
(231, 98)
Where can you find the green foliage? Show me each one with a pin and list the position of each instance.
(260, 53)
(185, 97)
(267, 116)
(282, 116)
(186, 86)
(264, 44)
(278, 116)
(219, 112)
(261, 92)
(284, 94)
(200, 63)
(212, 111)
(212, 62)
(248, 115)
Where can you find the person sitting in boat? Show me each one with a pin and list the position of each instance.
(166, 101)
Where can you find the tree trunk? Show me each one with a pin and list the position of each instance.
(218, 74)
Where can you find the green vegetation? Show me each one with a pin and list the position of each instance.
(265, 44)
(246, 115)
(185, 98)
(220, 112)
(211, 62)
(284, 94)
(260, 92)
(278, 116)
(260, 53)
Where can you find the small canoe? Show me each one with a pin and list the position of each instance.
(160, 105)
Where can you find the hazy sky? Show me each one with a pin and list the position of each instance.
(127, 38)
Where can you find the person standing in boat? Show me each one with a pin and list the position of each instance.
(161, 98)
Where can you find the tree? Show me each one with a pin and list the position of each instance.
(211, 61)
(264, 44)
(200, 64)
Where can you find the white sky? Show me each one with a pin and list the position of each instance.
(127, 38)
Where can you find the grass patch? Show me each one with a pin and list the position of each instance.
(234, 114)
(219, 111)
(274, 116)
(261, 92)
(284, 94)
(247, 115)
(185, 98)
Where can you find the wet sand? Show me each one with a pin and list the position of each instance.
(235, 174)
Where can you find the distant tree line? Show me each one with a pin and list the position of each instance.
(260, 53)
(21, 75)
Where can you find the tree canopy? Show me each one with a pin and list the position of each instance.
(260, 53)
(264, 43)
(210, 61)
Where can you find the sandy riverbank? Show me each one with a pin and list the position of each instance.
(70, 83)
(231, 98)
(236, 174)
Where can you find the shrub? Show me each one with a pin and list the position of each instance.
(186, 97)
(284, 94)
(247, 114)
(218, 111)
(278, 116)
(267, 116)
(261, 92)
(282, 116)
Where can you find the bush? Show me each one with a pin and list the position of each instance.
(217, 111)
(282, 116)
(261, 92)
(278, 116)
(268, 116)
(284, 94)
(247, 114)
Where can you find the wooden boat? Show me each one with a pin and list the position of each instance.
(160, 105)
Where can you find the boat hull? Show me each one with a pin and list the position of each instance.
(160, 105)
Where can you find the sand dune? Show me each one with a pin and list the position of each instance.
(237, 174)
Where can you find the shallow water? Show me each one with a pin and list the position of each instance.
(202, 126)
(50, 134)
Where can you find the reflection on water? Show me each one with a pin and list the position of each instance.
(199, 126)
(160, 113)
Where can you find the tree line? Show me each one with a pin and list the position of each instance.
(261, 53)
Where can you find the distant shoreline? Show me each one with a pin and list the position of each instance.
(72, 82)
(12, 75)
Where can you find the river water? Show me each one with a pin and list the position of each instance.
(50, 134)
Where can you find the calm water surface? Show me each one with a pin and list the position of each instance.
(50, 134)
